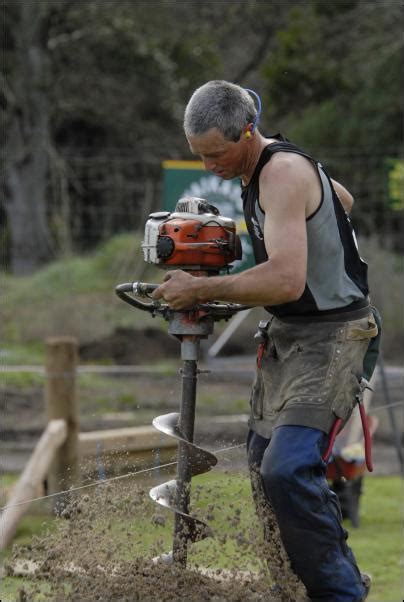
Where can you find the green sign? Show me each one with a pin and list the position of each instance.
(189, 178)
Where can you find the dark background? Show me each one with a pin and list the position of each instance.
(93, 94)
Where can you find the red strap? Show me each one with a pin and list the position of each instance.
(367, 437)
(333, 434)
(260, 353)
(366, 434)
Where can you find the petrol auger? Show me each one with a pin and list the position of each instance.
(195, 238)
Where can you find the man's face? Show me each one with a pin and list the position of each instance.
(222, 157)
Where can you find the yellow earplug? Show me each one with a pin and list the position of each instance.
(248, 134)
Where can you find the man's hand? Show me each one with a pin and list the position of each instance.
(178, 290)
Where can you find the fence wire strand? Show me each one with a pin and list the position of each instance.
(149, 469)
(110, 480)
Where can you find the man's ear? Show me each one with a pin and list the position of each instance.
(249, 130)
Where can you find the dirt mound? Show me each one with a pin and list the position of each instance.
(131, 346)
(144, 581)
(103, 548)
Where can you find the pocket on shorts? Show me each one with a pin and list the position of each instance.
(363, 329)
(346, 399)
(257, 396)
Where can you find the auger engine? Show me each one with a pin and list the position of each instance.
(194, 237)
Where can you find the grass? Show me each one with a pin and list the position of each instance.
(376, 543)
(102, 393)
(14, 354)
(21, 380)
(75, 296)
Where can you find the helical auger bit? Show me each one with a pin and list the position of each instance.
(174, 494)
(189, 326)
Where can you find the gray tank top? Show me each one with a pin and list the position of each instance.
(336, 275)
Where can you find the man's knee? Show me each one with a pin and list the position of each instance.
(276, 474)
(291, 457)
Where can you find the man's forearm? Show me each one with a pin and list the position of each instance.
(260, 285)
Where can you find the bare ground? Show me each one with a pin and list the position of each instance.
(95, 553)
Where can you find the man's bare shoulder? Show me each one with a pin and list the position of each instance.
(283, 161)
(289, 166)
(291, 178)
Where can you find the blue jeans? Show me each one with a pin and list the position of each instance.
(307, 511)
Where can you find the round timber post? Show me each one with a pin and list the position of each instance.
(61, 402)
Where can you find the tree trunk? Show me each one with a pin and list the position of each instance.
(26, 173)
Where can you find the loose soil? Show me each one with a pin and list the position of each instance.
(95, 555)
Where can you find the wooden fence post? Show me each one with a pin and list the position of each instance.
(61, 402)
(33, 473)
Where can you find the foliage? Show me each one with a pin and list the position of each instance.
(346, 58)
(396, 184)
(333, 82)
(113, 78)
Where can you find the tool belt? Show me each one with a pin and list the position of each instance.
(357, 310)
(266, 347)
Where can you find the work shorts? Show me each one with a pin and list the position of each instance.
(310, 373)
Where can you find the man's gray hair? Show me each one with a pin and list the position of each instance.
(221, 105)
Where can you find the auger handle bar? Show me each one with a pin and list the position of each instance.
(130, 290)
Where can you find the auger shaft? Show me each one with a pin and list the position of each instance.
(189, 326)
(184, 467)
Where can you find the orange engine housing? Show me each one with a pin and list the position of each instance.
(191, 240)
(192, 243)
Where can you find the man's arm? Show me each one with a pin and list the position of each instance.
(280, 279)
(344, 196)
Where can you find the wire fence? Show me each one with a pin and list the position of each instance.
(105, 481)
(94, 195)
(114, 191)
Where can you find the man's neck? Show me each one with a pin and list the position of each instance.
(257, 146)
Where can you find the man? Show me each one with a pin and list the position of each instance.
(314, 284)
